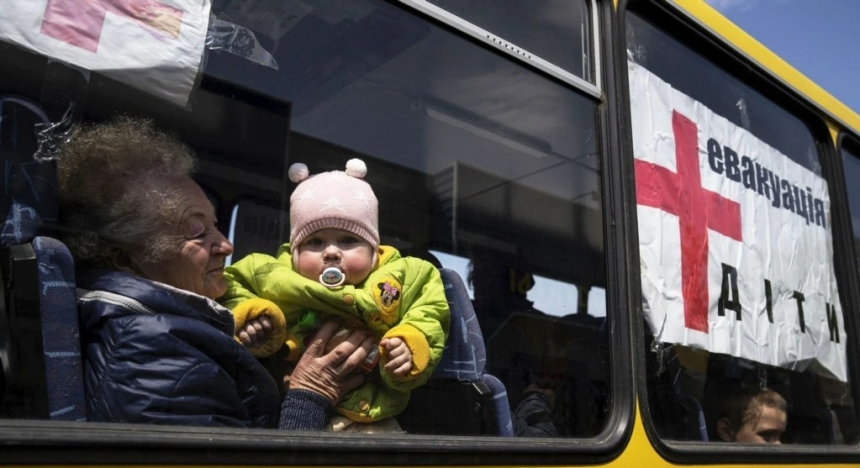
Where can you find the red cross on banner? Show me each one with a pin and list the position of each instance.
(697, 209)
(80, 23)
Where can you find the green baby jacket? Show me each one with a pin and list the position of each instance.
(402, 297)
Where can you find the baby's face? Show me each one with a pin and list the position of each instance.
(335, 248)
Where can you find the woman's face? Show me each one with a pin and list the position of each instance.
(199, 265)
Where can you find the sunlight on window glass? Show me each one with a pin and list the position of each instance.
(458, 264)
(553, 297)
(597, 302)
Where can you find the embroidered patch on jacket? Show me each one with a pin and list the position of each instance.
(387, 293)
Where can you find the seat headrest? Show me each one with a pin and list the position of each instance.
(465, 356)
(29, 187)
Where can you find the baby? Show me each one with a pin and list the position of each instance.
(334, 266)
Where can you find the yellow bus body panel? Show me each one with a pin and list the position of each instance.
(640, 453)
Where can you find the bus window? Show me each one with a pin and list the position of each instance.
(738, 284)
(851, 163)
(472, 156)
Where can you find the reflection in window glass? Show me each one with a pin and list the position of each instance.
(696, 372)
(851, 162)
(458, 264)
(555, 30)
(478, 163)
(553, 297)
(597, 302)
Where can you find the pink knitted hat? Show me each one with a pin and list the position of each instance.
(336, 199)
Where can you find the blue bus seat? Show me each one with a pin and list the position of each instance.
(60, 330)
(683, 416)
(460, 398)
(39, 338)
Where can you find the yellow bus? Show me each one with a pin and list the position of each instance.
(648, 214)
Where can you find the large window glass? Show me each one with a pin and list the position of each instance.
(744, 330)
(480, 164)
(471, 155)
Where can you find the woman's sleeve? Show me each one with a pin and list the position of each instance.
(304, 410)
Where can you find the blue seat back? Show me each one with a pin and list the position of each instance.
(500, 411)
(474, 402)
(29, 188)
(465, 356)
(681, 414)
(43, 376)
(60, 330)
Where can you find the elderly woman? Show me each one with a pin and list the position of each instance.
(157, 348)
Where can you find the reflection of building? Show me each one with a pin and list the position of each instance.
(559, 237)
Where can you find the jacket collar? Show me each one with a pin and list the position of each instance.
(160, 297)
(387, 254)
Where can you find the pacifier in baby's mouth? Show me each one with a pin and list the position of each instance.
(332, 277)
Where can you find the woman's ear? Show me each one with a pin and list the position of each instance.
(725, 431)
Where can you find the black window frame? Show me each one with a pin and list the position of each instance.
(843, 216)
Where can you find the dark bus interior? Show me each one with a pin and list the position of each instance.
(478, 188)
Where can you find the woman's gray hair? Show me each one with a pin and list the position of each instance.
(117, 185)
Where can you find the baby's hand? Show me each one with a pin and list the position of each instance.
(399, 356)
(255, 332)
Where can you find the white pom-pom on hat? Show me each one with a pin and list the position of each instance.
(298, 172)
(356, 168)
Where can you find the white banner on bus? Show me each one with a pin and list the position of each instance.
(153, 45)
(734, 238)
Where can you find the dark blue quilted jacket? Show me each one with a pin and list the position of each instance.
(154, 354)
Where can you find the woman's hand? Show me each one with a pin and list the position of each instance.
(334, 374)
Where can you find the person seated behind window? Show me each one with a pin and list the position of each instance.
(755, 417)
(335, 265)
(157, 348)
(533, 416)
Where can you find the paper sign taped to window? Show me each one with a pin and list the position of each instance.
(153, 45)
(734, 238)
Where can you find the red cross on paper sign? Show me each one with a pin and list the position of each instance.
(697, 210)
(79, 22)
